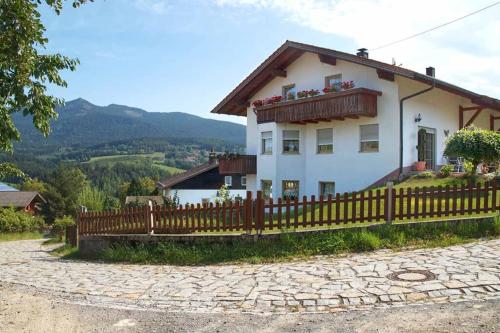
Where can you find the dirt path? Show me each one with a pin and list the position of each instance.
(25, 310)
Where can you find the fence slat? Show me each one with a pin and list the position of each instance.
(271, 213)
(280, 208)
(304, 210)
(346, 207)
(321, 207)
(313, 210)
(329, 209)
(287, 213)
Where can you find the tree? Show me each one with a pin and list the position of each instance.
(474, 145)
(92, 198)
(34, 185)
(25, 70)
(63, 189)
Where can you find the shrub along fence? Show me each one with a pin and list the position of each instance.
(255, 215)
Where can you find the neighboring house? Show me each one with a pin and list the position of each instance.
(6, 188)
(144, 199)
(348, 139)
(27, 201)
(202, 183)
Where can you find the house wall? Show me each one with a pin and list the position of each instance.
(347, 167)
(439, 110)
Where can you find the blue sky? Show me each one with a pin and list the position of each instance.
(166, 55)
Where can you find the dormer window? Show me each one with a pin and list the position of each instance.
(334, 81)
(289, 92)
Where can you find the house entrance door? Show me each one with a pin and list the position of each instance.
(427, 138)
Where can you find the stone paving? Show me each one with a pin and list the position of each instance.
(322, 284)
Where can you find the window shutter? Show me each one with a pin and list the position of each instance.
(325, 136)
(369, 132)
(267, 135)
(290, 135)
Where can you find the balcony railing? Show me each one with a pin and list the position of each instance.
(352, 103)
(238, 164)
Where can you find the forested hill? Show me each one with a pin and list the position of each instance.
(83, 123)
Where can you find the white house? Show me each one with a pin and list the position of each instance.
(348, 139)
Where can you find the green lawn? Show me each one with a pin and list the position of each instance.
(14, 236)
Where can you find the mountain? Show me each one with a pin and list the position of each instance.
(85, 124)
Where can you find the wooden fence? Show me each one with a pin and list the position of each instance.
(255, 215)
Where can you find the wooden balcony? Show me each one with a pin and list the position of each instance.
(353, 103)
(237, 164)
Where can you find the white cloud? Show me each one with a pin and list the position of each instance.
(466, 53)
(158, 7)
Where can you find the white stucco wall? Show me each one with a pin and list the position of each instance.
(196, 196)
(347, 167)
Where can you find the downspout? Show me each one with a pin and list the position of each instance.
(401, 106)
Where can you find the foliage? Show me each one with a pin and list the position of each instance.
(12, 220)
(15, 236)
(9, 170)
(171, 201)
(420, 147)
(296, 245)
(446, 170)
(60, 224)
(25, 71)
(469, 168)
(475, 145)
(223, 195)
(424, 175)
(63, 189)
(34, 185)
(141, 186)
(92, 198)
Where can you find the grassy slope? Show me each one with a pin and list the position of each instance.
(292, 246)
(155, 157)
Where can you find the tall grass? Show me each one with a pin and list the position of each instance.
(295, 245)
(14, 236)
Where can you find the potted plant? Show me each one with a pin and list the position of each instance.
(420, 164)
(346, 85)
(258, 103)
(290, 96)
(313, 92)
(302, 94)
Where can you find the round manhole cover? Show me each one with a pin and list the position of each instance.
(412, 276)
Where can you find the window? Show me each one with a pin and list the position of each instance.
(289, 92)
(326, 188)
(267, 142)
(267, 188)
(228, 180)
(368, 138)
(290, 189)
(243, 180)
(334, 81)
(325, 140)
(290, 142)
(205, 201)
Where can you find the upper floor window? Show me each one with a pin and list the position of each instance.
(369, 141)
(325, 141)
(267, 142)
(334, 81)
(291, 141)
(289, 92)
(228, 180)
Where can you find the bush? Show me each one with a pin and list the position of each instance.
(446, 170)
(12, 220)
(60, 224)
(425, 175)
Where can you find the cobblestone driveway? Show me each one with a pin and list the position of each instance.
(468, 272)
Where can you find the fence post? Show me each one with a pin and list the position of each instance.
(81, 209)
(389, 205)
(248, 212)
(149, 218)
(258, 214)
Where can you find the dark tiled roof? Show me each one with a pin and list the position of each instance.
(180, 177)
(19, 198)
(234, 103)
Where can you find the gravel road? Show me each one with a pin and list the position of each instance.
(27, 310)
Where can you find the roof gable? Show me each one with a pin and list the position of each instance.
(19, 198)
(180, 177)
(237, 101)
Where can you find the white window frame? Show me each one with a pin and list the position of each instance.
(361, 141)
(289, 88)
(318, 151)
(262, 181)
(334, 76)
(283, 182)
(243, 180)
(262, 142)
(228, 181)
(283, 143)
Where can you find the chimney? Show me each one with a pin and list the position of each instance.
(362, 52)
(430, 71)
(212, 156)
